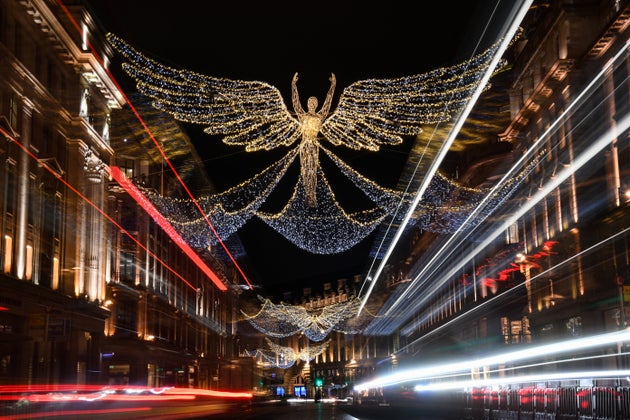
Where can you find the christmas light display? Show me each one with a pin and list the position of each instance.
(370, 113)
(283, 320)
(131, 189)
(285, 357)
(326, 228)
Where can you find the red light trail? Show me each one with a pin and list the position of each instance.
(87, 200)
(140, 198)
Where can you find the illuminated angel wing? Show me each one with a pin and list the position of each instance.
(376, 112)
(246, 113)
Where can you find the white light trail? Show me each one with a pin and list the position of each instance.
(560, 177)
(542, 377)
(407, 329)
(507, 38)
(528, 353)
(441, 256)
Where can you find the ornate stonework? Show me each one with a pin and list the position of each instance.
(93, 167)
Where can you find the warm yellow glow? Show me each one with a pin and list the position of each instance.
(310, 127)
(283, 320)
(77, 281)
(28, 273)
(110, 325)
(8, 253)
(55, 273)
(288, 355)
(253, 114)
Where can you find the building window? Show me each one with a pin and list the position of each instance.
(106, 124)
(515, 331)
(126, 167)
(574, 326)
(49, 243)
(55, 273)
(28, 274)
(512, 233)
(8, 253)
(13, 112)
(83, 108)
(127, 267)
(126, 318)
(9, 211)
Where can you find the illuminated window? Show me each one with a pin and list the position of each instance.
(126, 167)
(512, 234)
(8, 253)
(574, 326)
(84, 37)
(29, 262)
(55, 273)
(83, 108)
(13, 112)
(515, 331)
(106, 124)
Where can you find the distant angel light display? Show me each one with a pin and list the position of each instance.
(370, 113)
(284, 357)
(284, 320)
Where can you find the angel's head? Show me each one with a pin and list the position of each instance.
(311, 104)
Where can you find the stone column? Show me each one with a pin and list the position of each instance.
(23, 170)
(94, 252)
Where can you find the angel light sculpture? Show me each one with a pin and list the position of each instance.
(370, 113)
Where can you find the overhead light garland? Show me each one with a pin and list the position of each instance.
(228, 211)
(283, 320)
(370, 113)
(285, 357)
(326, 228)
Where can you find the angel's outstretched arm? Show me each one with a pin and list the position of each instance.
(328, 101)
(297, 106)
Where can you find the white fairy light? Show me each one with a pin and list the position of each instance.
(283, 320)
(326, 228)
(370, 113)
(285, 357)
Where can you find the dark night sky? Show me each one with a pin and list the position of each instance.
(270, 41)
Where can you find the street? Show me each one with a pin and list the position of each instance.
(309, 410)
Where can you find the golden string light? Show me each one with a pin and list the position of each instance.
(369, 114)
(326, 228)
(285, 357)
(284, 320)
(307, 227)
